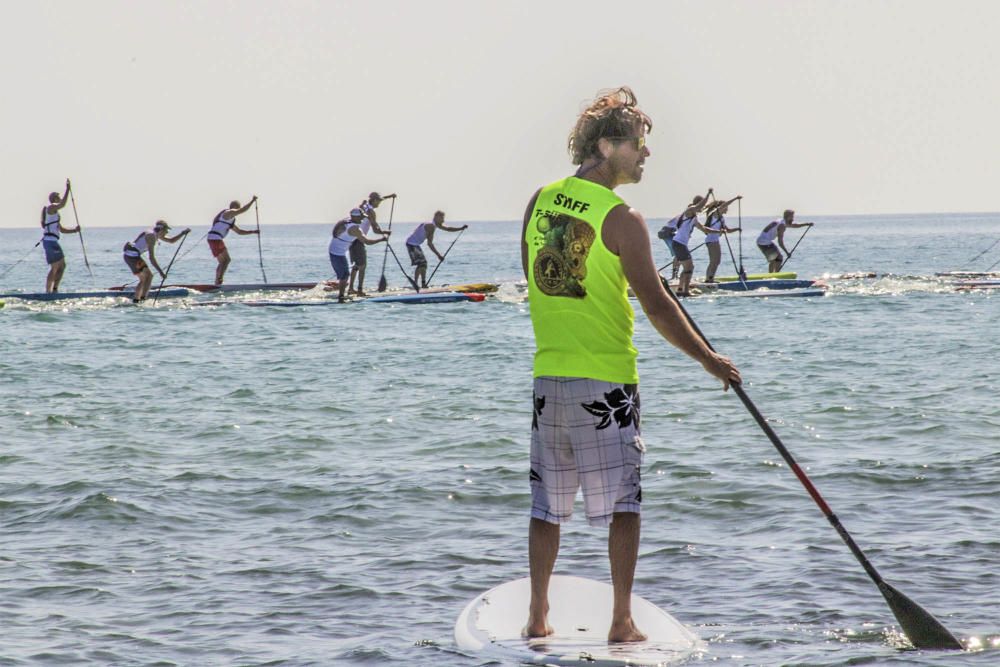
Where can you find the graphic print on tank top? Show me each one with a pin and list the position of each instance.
(561, 263)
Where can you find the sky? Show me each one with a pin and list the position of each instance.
(170, 109)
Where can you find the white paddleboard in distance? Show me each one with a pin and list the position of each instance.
(580, 614)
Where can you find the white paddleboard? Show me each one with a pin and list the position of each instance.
(580, 614)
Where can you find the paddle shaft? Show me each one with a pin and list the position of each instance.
(444, 257)
(169, 266)
(197, 244)
(260, 251)
(79, 230)
(413, 282)
(970, 261)
(790, 252)
(23, 257)
(923, 630)
(738, 269)
(672, 261)
(385, 255)
(739, 217)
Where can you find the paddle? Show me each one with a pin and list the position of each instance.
(444, 258)
(920, 627)
(260, 252)
(79, 230)
(382, 284)
(739, 216)
(739, 270)
(990, 267)
(167, 272)
(197, 244)
(23, 257)
(405, 274)
(970, 261)
(794, 247)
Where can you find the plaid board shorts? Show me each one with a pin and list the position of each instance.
(585, 435)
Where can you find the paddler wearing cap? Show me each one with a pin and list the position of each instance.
(223, 222)
(345, 233)
(143, 244)
(359, 255)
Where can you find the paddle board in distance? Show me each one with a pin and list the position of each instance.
(580, 613)
(107, 294)
(783, 275)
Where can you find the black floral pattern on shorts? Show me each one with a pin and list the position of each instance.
(621, 404)
(538, 402)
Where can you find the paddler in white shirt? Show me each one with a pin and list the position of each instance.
(223, 222)
(773, 235)
(51, 228)
(143, 244)
(686, 222)
(715, 226)
(344, 233)
(425, 232)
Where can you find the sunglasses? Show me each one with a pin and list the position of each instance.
(639, 142)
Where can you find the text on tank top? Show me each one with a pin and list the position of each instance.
(580, 312)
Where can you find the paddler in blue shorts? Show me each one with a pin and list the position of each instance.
(344, 233)
(51, 228)
(425, 232)
(669, 230)
(773, 235)
(686, 222)
(582, 246)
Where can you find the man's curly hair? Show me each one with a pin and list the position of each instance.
(613, 114)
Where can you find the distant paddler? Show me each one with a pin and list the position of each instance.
(344, 234)
(773, 235)
(145, 243)
(425, 232)
(686, 222)
(224, 221)
(51, 228)
(358, 252)
(669, 230)
(715, 226)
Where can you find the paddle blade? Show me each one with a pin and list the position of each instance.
(919, 626)
(382, 284)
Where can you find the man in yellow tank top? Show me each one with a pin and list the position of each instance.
(581, 248)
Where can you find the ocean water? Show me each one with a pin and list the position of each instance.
(330, 486)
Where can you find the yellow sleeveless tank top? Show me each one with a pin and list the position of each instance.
(577, 290)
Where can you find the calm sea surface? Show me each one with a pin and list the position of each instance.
(330, 486)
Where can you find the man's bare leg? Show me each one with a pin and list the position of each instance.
(361, 280)
(543, 548)
(220, 270)
(623, 551)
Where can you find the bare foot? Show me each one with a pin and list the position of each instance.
(625, 631)
(537, 629)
